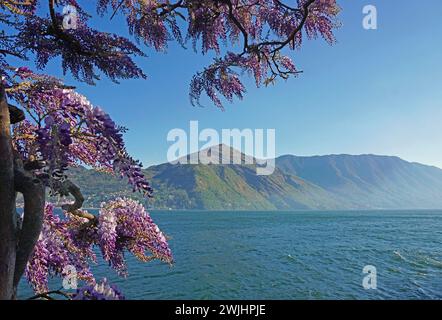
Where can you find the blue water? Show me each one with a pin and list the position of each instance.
(289, 255)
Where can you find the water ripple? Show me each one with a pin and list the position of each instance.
(299, 255)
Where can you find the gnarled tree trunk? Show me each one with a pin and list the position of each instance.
(16, 243)
(8, 238)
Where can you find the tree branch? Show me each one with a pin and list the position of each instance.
(68, 187)
(47, 295)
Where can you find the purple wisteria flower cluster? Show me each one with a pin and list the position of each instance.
(56, 249)
(68, 130)
(122, 225)
(86, 48)
(126, 224)
(99, 291)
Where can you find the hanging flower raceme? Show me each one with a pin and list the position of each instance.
(54, 252)
(122, 225)
(99, 291)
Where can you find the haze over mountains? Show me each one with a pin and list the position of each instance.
(333, 182)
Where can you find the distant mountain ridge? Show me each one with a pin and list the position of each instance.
(334, 182)
(370, 181)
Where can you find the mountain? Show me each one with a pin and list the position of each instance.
(323, 182)
(210, 187)
(370, 181)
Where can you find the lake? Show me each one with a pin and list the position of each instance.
(289, 255)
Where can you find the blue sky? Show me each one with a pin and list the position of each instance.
(376, 91)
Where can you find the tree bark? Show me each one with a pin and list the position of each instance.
(16, 244)
(8, 239)
(33, 192)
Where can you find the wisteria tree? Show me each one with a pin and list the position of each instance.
(47, 127)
